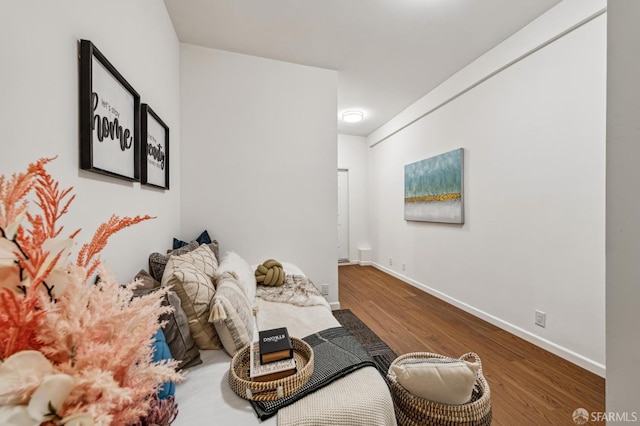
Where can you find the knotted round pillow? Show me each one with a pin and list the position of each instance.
(270, 273)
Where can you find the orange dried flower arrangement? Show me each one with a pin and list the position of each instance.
(71, 352)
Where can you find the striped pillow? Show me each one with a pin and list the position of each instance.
(232, 314)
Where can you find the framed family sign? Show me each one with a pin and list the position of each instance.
(155, 149)
(109, 118)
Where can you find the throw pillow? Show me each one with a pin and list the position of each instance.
(449, 381)
(203, 238)
(232, 314)
(158, 261)
(160, 353)
(146, 280)
(191, 276)
(176, 331)
(213, 245)
(270, 273)
(232, 262)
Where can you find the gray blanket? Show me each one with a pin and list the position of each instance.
(336, 354)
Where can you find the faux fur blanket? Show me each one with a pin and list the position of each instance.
(297, 290)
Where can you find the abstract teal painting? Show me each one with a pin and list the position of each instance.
(433, 189)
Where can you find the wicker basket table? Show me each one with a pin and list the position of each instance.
(244, 387)
(414, 411)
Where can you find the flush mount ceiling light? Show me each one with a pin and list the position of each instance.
(352, 116)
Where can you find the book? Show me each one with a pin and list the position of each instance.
(275, 345)
(272, 371)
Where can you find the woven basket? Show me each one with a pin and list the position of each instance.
(268, 391)
(413, 411)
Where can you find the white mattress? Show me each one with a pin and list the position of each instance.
(205, 397)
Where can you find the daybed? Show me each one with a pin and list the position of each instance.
(205, 397)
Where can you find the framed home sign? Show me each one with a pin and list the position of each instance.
(154, 167)
(109, 118)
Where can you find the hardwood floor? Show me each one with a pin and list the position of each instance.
(529, 386)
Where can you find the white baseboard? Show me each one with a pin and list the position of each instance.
(356, 262)
(334, 306)
(569, 355)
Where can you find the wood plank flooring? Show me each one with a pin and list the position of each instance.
(529, 386)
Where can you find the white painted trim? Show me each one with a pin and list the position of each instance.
(569, 355)
(561, 20)
(334, 306)
(356, 262)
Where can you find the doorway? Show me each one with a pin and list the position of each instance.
(343, 216)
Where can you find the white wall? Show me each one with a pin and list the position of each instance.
(623, 207)
(259, 158)
(534, 138)
(352, 156)
(39, 109)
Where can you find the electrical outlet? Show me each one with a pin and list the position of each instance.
(325, 289)
(403, 266)
(541, 319)
(390, 261)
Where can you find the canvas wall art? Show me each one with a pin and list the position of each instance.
(433, 189)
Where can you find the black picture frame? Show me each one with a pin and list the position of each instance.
(154, 166)
(109, 117)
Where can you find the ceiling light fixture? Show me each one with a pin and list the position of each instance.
(352, 116)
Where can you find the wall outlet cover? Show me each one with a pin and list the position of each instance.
(325, 289)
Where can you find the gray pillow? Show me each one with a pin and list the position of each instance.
(158, 261)
(176, 330)
(215, 248)
(146, 280)
(178, 336)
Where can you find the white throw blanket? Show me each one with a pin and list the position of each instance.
(358, 399)
(361, 398)
(206, 397)
(297, 290)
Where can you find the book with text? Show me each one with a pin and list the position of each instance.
(272, 371)
(275, 345)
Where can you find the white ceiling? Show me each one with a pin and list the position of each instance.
(388, 53)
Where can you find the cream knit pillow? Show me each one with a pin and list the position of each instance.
(191, 276)
(232, 314)
(449, 381)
